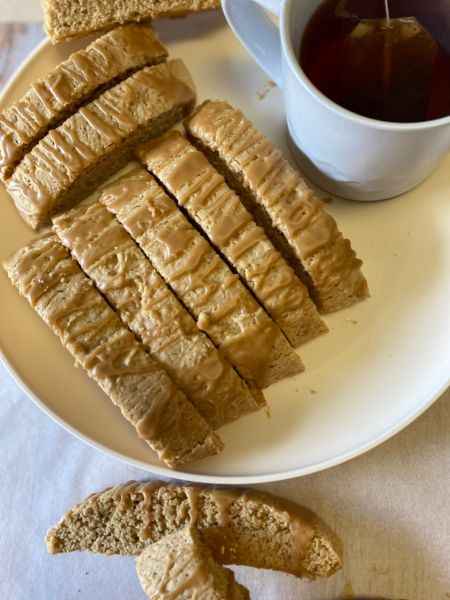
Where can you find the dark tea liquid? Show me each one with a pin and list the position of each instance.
(396, 70)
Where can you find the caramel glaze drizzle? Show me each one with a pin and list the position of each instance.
(220, 528)
(197, 186)
(96, 238)
(79, 76)
(105, 348)
(151, 218)
(293, 207)
(62, 155)
(187, 565)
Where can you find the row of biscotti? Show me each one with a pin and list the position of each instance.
(61, 293)
(216, 297)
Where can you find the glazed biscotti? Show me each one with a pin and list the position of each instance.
(66, 19)
(75, 81)
(66, 300)
(281, 202)
(119, 269)
(220, 303)
(181, 566)
(242, 527)
(202, 192)
(71, 160)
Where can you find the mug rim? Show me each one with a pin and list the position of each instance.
(288, 52)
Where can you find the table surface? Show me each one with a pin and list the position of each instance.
(390, 507)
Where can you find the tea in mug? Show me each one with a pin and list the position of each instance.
(389, 65)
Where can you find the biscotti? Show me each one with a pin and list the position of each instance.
(202, 192)
(281, 202)
(180, 566)
(119, 269)
(243, 527)
(71, 160)
(216, 297)
(75, 81)
(66, 300)
(66, 19)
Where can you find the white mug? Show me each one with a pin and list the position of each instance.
(346, 154)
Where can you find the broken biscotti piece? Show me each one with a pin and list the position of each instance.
(71, 160)
(241, 527)
(66, 19)
(66, 300)
(282, 203)
(181, 565)
(202, 192)
(120, 270)
(86, 73)
(220, 303)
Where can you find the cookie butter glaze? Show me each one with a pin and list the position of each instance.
(215, 296)
(49, 170)
(292, 207)
(110, 257)
(48, 101)
(197, 186)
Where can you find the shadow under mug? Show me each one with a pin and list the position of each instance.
(346, 154)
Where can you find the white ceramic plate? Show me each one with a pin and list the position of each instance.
(383, 362)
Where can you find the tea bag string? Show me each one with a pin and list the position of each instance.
(387, 59)
(386, 8)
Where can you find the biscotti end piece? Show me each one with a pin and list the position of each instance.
(242, 527)
(181, 565)
(120, 270)
(62, 295)
(293, 217)
(67, 19)
(76, 81)
(73, 159)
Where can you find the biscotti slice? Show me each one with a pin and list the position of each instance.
(71, 160)
(216, 297)
(119, 269)
(180, 566)
(202, 192)
(281, 202)
(66, 300)
(66, 19)
(242, 527)
(75, 81)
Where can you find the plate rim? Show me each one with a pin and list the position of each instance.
(201, 477)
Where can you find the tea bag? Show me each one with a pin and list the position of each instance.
(388, 66)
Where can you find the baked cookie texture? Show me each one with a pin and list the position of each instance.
(62, 295)
(67, 19)
(223, 308)
(95, 142)
(76, 81)
(127, 279)
(181, 566)
(199, 189)
(242, 527)
(281, 202)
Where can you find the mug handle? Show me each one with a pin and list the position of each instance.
(257, 32)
